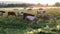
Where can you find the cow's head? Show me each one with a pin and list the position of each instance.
(20, 13)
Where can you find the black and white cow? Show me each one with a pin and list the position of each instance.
(40, 11)
(27, 16)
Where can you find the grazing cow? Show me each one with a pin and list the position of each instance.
(49, 17)
(1, 13)
(30, 17)
(15, 9)
(40, 11)
(29, 9)
(11, 13)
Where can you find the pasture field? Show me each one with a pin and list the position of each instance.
(13, 25)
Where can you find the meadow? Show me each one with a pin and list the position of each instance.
(13, 25)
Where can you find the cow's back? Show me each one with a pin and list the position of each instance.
(11, 13)
(26, 14)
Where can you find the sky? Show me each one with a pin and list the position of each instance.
(31, 1)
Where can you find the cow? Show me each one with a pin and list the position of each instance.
(29, 9)
(30, 17)
(15, 9)
(40, 11)
(1, 13)
(27, 16)
(11, 13)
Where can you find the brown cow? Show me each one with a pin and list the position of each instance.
(11, 13)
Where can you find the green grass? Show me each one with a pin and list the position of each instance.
(13, 25)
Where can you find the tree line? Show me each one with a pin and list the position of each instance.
(57, 4)
(14, 5)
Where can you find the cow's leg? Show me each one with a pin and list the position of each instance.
(24, 16)
(37, 14)
(35, 21)
(15, 15)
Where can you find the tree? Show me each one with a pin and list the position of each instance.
(57, 4)
(38, 4)
(46, 4)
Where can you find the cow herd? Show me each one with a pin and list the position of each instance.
(26, 16)
(33, 18)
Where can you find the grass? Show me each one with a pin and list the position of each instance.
(13, 25)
